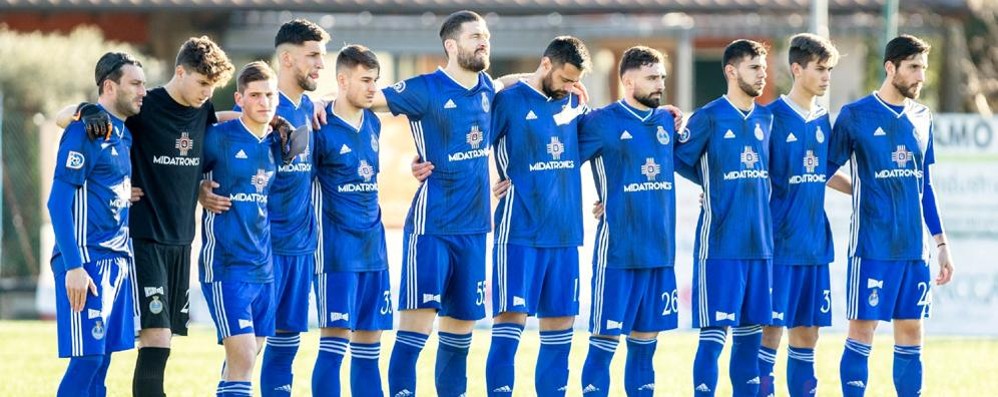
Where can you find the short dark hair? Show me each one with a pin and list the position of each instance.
(252, 72)
(109, 68)
(638, 56)
(201, 55)
(742, 48)
(806, 48)
(568, 50)
(451, 27)
(904, 47)
(298, 31)
(355, 54)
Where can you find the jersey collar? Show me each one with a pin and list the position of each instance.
(250, 133)
(623, 105)
(907, 103)
(469, 89)
(744, 116)
(356, 128)
(815, 113)
(285, 97)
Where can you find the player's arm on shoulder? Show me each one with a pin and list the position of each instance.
(226, 115)
(839, 181)
(691, 145)
(508, 80)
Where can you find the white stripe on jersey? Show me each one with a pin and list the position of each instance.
(208, 251)
(704, 310)
(223, 321)
(80, 217)
(602, 246)
(852, 293)
(410, 271)
(75, 334)
(502, 230)
(419, 207)
(320, 250)
(136, 312)
(320, 299)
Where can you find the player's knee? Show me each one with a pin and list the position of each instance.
(511, 317)
(556, 323)
(862, 330)
(342, 333)
(805, 337)
(771, 336)
(908, 332)
(455, 326)
(418, 320)
(240, 355)
(367, 337)
(643, 335)
(155, 337)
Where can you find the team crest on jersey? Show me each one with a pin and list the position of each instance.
(749, 157)
(485, 103)
(399, 87)
(758, 132)
(260, 180)
(810, 161)
(75, 160)
(874, 298)
(662, 135)
(374, 143)
(184, 143)
(364, 170)
(98, 330)
(684, 136)
(819, 135)
(650, 170)
(474, 137)
(155, 306)
(556, 148)
(901, 156)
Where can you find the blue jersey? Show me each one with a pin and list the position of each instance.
(235, 245)
(291, 213)
(889, 152)
(798, 160)
(101, 170)
(726, 152)
(632, 162)
(536, 146)
(346, 161)
(450, 125)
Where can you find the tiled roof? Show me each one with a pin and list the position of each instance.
(499, 6)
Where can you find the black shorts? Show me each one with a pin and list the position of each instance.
(162, 277)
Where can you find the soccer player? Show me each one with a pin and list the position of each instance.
(352, 288)
(725, 149)
(887, 138)
(802, 239)
(629, 145)
(237, 276)
(166, 155)
(88, 206)
(300, 47)
(443, 266)
(535, 262)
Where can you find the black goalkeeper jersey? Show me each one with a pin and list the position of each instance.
(166, 164)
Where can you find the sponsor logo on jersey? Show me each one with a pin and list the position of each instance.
(729, 135)
(245, 323)
(819, 135)
(748, 158)
(758, 132)
(365, 171)
(399, 87)
(901, 156)
(879, 132)
(75, 160)
(650, 170)
(625, 135)
(474, 139)
(791, 138)
(485, 103)
(122, 197)
(184, 144)
(345, 149)
(296, 167)
(810, 164)
(241, 154)
(248, 198)
(684, 136)
(662, 135)
(178, 161)
(531, 115)
(721, 316)
(450, 104)
(555, 149)
(260, 179)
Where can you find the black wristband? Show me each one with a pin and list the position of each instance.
(940, 245)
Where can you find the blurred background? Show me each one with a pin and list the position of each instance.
(49, 48)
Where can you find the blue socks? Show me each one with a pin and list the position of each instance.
(551, 372)
(402, 365)
(705, 364)
(499, 367)
(451, 373)
(908, 370)
(744, 367)
(275, 371)
(365, 378)
(639, 372)
(854, 368)
(767, 359)
(800, 372)
(596, 369)
(234, 389)
(326, 375)
(80, 375)
(97, 386)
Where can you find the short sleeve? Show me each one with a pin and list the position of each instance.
(408, 97)
(500, 123)
(590, 140)
(692, 143)
(212, 119)
(77, 155)
(840, 143)
(211, 147)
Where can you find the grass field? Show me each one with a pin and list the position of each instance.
(953, 366)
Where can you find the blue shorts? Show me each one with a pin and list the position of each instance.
(358, 301)
(625, 300)
(240, 308)
(887, 290)
(729, 292)
(106, 324)
(292, 284)
(802, 296)
(446, 273)
(532, 280)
